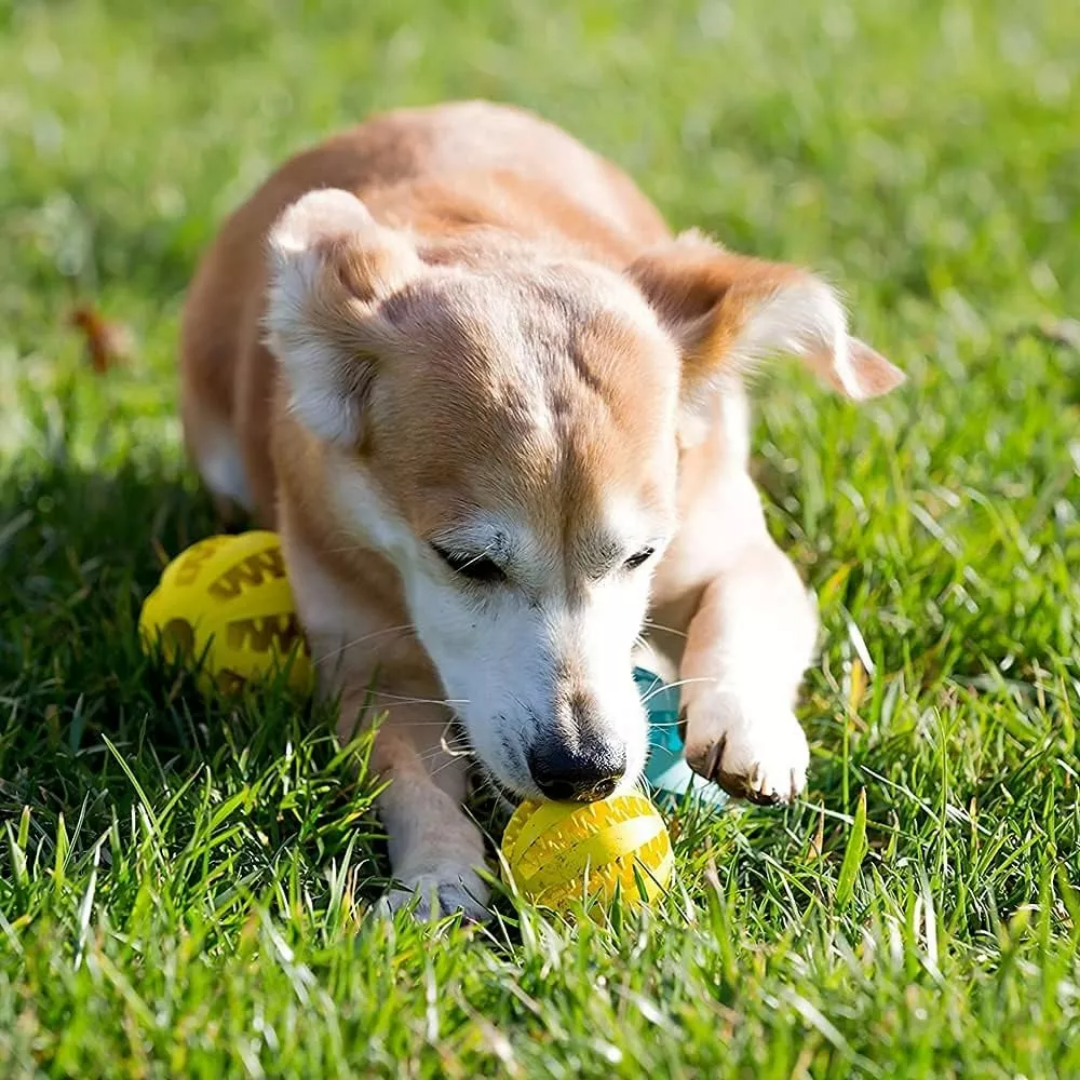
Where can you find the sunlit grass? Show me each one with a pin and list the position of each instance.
(185, 887)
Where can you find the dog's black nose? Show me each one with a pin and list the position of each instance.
(568, 775)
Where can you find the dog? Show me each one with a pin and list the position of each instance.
(497, 412)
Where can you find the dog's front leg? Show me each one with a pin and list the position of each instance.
(748, 645)
(435, 849)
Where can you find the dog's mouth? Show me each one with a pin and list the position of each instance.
(485, 777)
(576, 756)
(485, 785)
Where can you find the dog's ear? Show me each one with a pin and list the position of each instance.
(332, 267)
(728, 312)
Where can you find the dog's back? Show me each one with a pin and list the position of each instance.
(437, 171)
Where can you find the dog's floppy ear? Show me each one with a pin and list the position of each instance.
(332, 266)
(728, 312)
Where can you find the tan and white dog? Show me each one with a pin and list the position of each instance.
(495, 410)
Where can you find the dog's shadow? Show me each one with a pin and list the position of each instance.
(96, 730)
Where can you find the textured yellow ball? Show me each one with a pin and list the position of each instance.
(228, 597)
(558, 852)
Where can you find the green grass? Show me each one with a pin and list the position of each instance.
(184, 888)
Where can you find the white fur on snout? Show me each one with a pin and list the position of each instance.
(500, 654)
(499, 651)
(598, 635)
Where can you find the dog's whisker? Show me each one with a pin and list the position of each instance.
(456, 748)
(485, 781)
(407, 724)
(377, 708)
(451, 753)
(641, 643)
(406, 628)
(662, 686)
(402, 699)
(438, 754)
(445, 765)
(666, 629)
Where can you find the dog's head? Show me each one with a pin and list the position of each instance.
(506, 429)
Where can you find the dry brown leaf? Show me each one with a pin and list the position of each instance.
(107, 343)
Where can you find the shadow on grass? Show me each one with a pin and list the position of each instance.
(95, 731)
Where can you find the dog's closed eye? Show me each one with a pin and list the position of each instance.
(642, 557)
(474, 567)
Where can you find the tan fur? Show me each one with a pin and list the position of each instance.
(508, 324)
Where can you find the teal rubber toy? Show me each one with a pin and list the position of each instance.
(666, 771)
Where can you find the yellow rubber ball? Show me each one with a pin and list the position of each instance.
(558, 853)
(227, 599)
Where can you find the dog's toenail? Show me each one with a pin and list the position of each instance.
(712, 761)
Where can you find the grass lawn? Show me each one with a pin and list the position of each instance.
(184, 887)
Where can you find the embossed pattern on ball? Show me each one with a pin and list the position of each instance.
(558, 852)
(228, 597)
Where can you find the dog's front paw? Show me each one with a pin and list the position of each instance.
(442, 891)
(761, 756)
